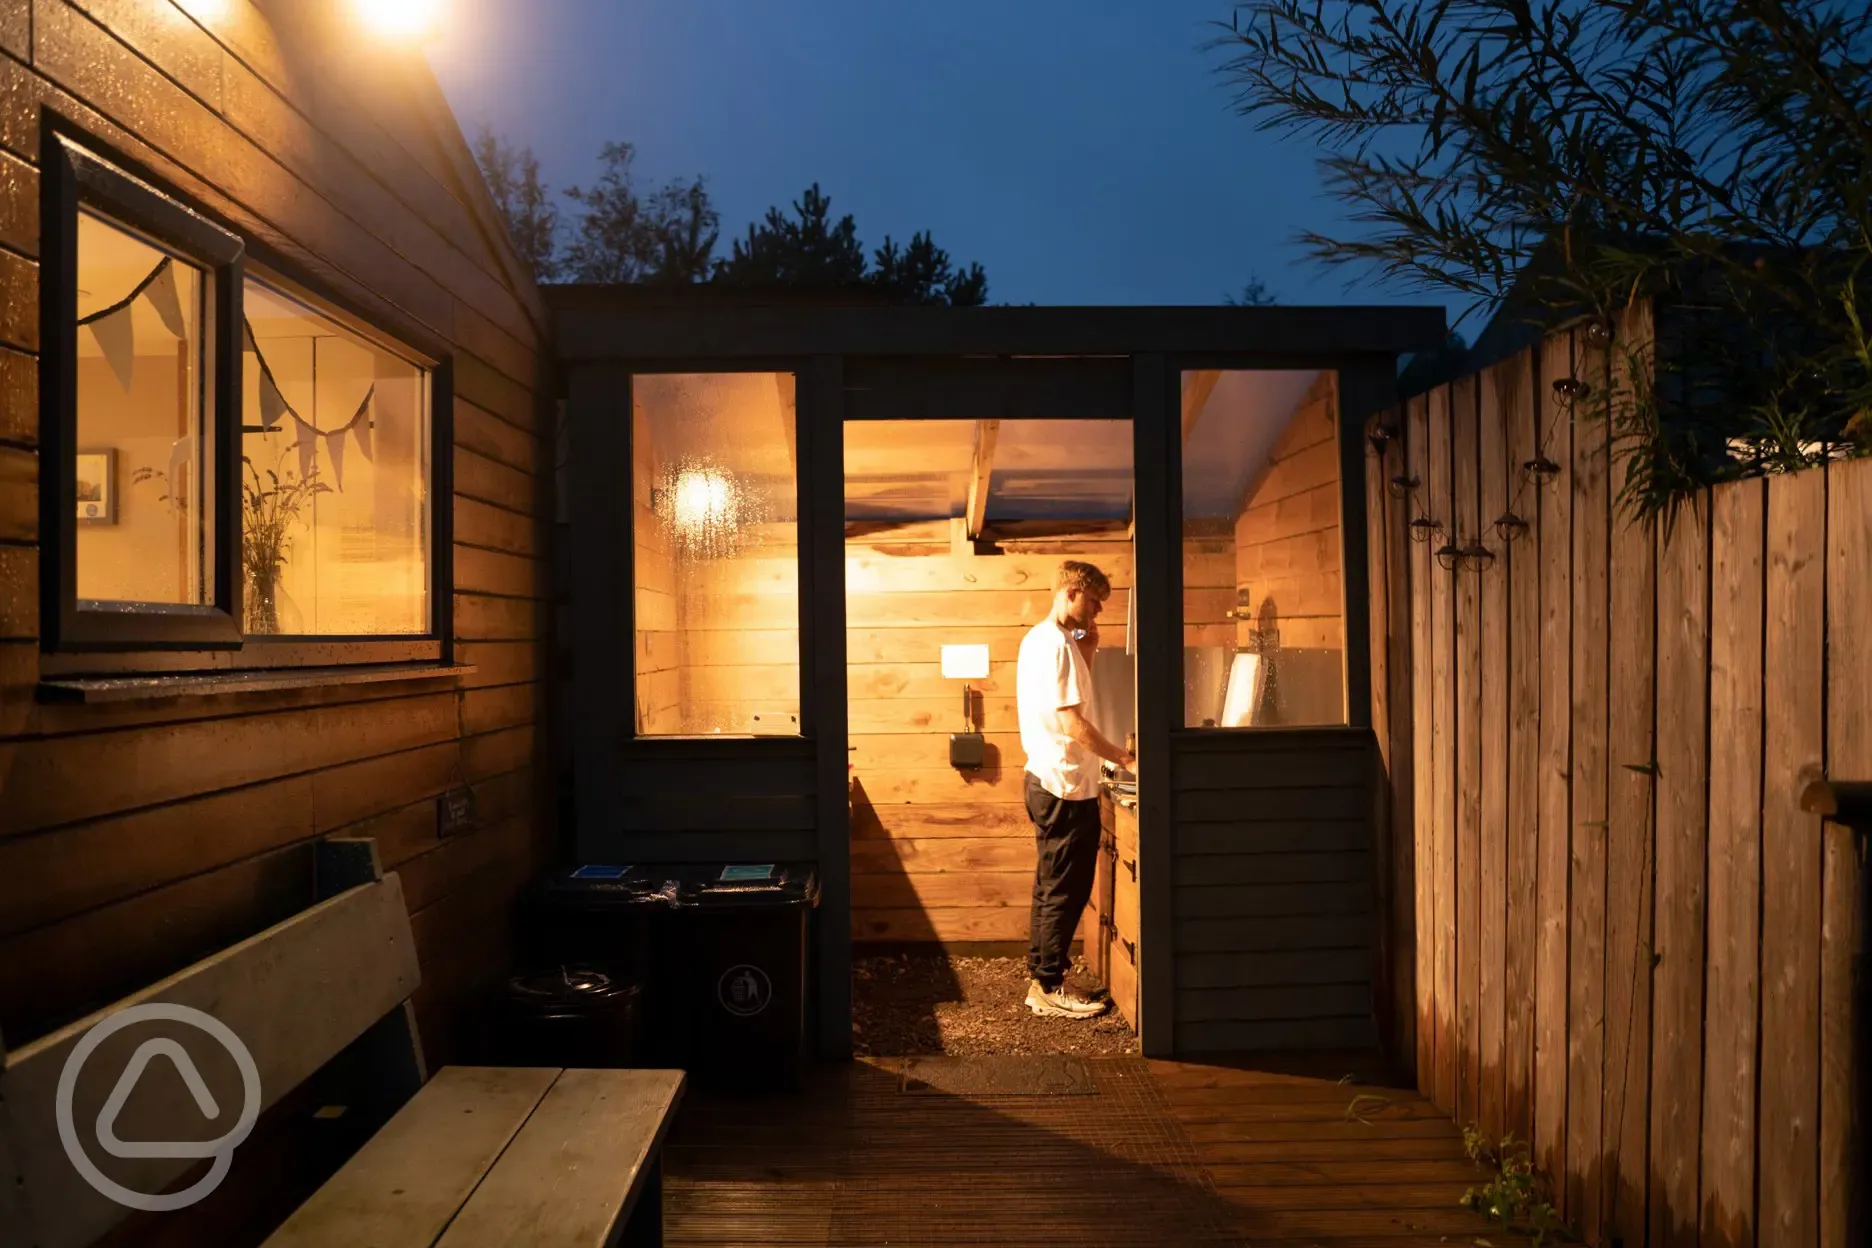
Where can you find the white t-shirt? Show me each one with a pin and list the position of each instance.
(1051, 675)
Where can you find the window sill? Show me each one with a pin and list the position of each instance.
(100, 689)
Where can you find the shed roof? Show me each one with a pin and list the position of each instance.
(647, 323)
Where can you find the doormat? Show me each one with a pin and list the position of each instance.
(1045, 1074)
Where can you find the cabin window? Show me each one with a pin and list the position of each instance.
(225, 461)
(715, 554)
(334, 477)
(144, 456)
(138, 293)
(1263, 598)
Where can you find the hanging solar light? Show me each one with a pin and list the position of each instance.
(1423, 528)
(1570, 389)
(1448, 556)
(1403, 485)
(1380, 437)
(1510, 527)
(1540, 469)
(1598, 332)
(1476, 557)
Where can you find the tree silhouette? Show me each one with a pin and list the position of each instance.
(1563, 158)
(626, 235)
(513, 181)
(808, 248)
(923, 273)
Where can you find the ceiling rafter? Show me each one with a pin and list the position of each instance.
(987, 433)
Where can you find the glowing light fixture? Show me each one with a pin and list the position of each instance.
(402, 21)
(704, 509)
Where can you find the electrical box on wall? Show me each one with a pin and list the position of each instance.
(967, 749)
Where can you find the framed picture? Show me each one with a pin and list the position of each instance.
(97, 487)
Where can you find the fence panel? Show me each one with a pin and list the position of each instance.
(1627, 942)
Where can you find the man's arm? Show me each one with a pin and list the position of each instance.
(1080, 729)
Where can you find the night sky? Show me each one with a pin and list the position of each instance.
(1084, 153)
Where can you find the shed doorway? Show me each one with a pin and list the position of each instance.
(954, 529)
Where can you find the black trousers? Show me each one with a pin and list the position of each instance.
(1066, 841)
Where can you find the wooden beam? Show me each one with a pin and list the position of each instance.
(1198, 385)
(987, 433)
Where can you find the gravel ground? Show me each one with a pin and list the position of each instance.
(913, 1005)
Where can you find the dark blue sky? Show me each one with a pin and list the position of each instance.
(1084, 153)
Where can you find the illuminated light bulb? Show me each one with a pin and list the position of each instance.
(400, 20)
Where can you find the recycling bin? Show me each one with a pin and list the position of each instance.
(597, 920)
(733, 972)
(570, 1016)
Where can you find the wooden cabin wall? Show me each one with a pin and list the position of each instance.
(1273, 861)
(1287, 559)
(137, 837)
(941, 855)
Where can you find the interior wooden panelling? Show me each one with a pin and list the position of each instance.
(945, 855)
(1287, 560)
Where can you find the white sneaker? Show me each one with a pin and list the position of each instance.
(1059, 1003)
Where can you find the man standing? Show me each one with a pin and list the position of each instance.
(1053, 686)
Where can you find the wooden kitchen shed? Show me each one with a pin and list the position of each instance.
(736, 719)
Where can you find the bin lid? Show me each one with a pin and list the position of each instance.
(601, 886)
(763, 885)
(563, 989)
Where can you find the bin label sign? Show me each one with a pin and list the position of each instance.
(744, 990)
(600, 873)
(734, 874)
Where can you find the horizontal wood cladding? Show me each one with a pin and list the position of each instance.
(1274, 888)
(137, 837)
(942, 854)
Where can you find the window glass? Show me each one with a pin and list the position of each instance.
(145, 523)
(334, 477)
(1263, 602)
(714, 489)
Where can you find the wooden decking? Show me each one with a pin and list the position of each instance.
(1164, 1153)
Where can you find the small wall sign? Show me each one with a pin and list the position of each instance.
(455, 812)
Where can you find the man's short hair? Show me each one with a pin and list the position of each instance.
(1084, 577)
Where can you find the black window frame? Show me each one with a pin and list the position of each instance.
(73, 177)
(802, 487)
(155, 640)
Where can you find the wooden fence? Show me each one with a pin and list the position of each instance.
(1612, 930)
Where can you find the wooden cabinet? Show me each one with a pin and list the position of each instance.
(1112, 949)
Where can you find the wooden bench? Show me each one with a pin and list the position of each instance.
(476, 1156)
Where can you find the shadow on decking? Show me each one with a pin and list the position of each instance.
(855, 1161)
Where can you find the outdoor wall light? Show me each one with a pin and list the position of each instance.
(400, 21)
(1402, 486)
(1448, 556)
(1510, 527)
(1380, 437)
(1598, 332)
(1423, 528)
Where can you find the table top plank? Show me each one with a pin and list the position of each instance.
(570, 1176)
(401, 1189)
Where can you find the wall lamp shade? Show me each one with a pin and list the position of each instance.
(965, 662)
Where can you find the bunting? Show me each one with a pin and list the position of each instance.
(116, 338)
(112, 326)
